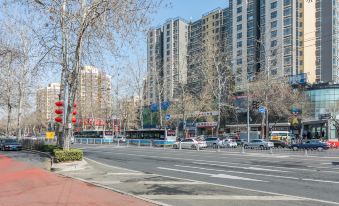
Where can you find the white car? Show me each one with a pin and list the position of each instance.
(191, 144)
(230, 143)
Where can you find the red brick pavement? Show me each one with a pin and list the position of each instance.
(24, 185)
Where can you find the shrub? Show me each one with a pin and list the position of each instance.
(67, 155)
(48, 148)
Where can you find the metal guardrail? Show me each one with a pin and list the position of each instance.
(172, 145)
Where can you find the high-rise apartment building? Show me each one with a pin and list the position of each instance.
(209, 38)
(45, 102)
(94, 94)
(267, 37)
(154, 65)
(174, 57)
(166, 60)
(327, 40)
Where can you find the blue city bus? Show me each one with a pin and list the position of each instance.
(156, 137)
(93, 136)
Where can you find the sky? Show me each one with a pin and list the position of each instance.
(187, 9)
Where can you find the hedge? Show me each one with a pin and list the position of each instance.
(48, 148)
(67, 155)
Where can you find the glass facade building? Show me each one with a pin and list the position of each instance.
(323, 105)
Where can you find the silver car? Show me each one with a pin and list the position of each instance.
(258, 144)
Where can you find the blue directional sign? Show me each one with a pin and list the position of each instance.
(168, 117)
(262, 109)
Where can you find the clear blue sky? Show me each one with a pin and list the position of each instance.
(186, 9)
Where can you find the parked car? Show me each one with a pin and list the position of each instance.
(191, 144)
(230, 143)
(310, 144)
(279, 143)
(10, 144)
(258, 144)
(214, 142)
(120, 139)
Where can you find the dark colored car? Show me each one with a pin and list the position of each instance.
(240, 142)
(279, 143)
(10, 145)
(311, 144)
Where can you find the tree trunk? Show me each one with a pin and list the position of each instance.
(9, 114)
(19, 111)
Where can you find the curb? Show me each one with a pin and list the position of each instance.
(69, 166)
(41, 153)
(119, 191)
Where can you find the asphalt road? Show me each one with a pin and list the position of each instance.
(247, 179)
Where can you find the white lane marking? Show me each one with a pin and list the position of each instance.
(170, 183)
(224, 176)
(126, 173)
(220, 197)
(324, 181)
(177, 158)
(232, 187)
(232, 171)
(106, 181)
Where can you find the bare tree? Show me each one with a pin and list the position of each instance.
(82, 30)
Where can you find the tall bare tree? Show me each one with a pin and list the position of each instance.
(82, 30)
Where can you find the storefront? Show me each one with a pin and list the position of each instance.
(323, 110)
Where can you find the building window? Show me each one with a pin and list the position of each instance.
(274, 43)
(239, 2)
(239, 44)
(239, 35)
(274, 24)
(274, 14)
(239, 27)
(239, 61)
(239, 52)
(274, 33)
(239, 18)
(287, 2)
(287, 21)
(287, 11)
(239, 10)
(287, 31)
(274, 5)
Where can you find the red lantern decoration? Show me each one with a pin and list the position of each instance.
(59, 111)
(74, 105)
(74, 120)
(58, 119)
(59, 103)
(75, 112)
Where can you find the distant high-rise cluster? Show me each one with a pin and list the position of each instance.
(94, 98)
(280, 38)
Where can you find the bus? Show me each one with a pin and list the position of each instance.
(156, 137)
(93, 136)
(285, 136)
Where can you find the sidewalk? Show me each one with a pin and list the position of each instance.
(22, 184)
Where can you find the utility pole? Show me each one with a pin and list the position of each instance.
(248, 112)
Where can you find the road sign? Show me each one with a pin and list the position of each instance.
(168, 117)
(262, 109)
(50, 135)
